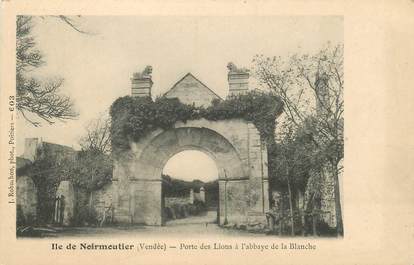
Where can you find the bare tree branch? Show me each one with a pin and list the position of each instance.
(38, 97)
(97, 137)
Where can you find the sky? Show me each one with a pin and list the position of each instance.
(97, 67)
(202, 167)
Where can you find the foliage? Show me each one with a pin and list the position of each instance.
(90, 170)
(311, 88)
(134, 117)
(46, 172)
(212, 193)
(87, 170)
(173, 187)
(183, 210)
(72, 23)
(293, 159)
(37, 97)
(85, 216)
(257, 107)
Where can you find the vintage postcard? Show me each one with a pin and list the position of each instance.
(218, 133)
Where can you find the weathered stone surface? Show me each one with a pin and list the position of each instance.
(146, 207)
(247, 185)
(35, 148)
(238, 83)
(327, 199)
(233, 144)
(233, 201)
(141, 83)
(102, 200)
(27, 198)
(30, 148)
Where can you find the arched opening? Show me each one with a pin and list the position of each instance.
(240, 162)
(190, 189)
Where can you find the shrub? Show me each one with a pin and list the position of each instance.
(20, 219)
(85, 217)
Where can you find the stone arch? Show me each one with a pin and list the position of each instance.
(234, 145)
(168, 143)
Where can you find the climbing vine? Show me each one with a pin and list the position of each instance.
(134, 117)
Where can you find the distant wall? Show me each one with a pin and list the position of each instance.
(169, 201)
(34, 147)
(26, 199)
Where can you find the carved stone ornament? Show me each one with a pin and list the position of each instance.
(146, 73)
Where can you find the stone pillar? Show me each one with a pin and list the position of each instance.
(141, 83)
(202, 194)
(300, 200)
(191, 196)
(145, 202)
(258, 179)
(68, 203)
(238, 79)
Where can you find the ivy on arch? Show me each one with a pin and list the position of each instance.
(134, 117)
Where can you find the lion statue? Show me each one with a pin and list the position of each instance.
(146, 73)
(234, 69)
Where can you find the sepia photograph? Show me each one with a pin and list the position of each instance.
(220, 126)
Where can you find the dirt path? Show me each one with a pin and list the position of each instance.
(192, 227)
(206, 219)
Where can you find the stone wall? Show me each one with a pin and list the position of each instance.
(234, 145)
(35, 148)
(190, 199)
(169, 201)
(30, 148)
(323, 181)
(102, 199)
(27, 198)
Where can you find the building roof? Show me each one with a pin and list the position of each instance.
(191, 75)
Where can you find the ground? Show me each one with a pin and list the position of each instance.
(194, 226)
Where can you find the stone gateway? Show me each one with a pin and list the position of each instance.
(234, 144)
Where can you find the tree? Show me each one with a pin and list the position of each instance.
(93, 167)
(36, 97)
(311, 88)
(98, 135)
(323, 75)
(90, 170)
(71, 23)
(290, 161)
